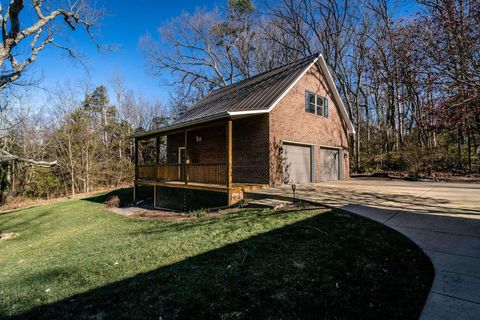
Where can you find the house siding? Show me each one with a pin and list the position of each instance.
(210, 149)
(289, 121)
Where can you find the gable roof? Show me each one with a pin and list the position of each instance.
(255, 95)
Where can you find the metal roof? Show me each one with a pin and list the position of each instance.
(255, 93)
(258, 94)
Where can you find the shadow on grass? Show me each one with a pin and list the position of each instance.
(331, 266)
(125, 195)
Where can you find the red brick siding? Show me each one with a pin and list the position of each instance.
(174, 141)
(289, 121)
(210, 148)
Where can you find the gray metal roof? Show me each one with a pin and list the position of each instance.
(252, 94)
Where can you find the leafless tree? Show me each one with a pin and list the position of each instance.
(21, 45)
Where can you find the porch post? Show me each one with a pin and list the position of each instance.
(136, 171)
(186, 157)
(229, 160)
(157, 146)
(157, 156)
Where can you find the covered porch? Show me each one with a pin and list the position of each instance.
(227, 155)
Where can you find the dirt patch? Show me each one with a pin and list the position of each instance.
(147, 213)
(7, 235)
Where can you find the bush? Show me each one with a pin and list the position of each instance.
(241, 203)
(43, 184)
(199, 213)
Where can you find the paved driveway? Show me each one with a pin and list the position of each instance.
(442, 218)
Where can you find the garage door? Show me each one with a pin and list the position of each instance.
(329, 164)
(298, 164)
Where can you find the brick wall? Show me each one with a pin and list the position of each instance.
(174, 141)
(210, 147)
(289, 121)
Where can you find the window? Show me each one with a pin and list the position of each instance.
(316, 104)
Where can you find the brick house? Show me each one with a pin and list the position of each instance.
(287, 125)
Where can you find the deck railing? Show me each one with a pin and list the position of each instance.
(205, 173)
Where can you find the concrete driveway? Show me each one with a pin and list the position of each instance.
(441, 218)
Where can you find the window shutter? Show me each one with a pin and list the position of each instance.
(325, 108)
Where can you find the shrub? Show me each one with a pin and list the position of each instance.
(199, 213)
(241, 203)
(43, 183)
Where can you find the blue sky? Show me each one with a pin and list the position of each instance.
(125, 22)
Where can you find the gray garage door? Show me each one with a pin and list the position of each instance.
(329, 164)
(298, 163)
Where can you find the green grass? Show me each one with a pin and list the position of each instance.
(75, 260)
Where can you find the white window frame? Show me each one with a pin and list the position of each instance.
(308, 94)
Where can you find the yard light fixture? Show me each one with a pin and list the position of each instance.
(294, 187)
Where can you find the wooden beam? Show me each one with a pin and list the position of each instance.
(229, 160)
(134, 192)
(154, 196)
(157, 148)
(181, 130)
(136, 159)
(186, 158)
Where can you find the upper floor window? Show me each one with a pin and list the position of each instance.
(316, 104)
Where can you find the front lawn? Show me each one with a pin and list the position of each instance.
(74, 259)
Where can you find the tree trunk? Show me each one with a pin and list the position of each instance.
(469, 147)
(357, 139)
(459, 148)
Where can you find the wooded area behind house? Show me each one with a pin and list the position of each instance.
(411, 85)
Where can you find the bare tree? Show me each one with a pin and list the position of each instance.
(23, 38)
(20, 46)
(207, 49)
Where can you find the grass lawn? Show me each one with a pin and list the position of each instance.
(76, 260)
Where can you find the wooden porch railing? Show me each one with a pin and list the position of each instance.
(205, 173)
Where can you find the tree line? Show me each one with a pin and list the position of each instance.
(87, 135)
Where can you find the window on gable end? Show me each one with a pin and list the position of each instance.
(316, 104)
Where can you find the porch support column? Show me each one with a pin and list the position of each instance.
(229, 160)
(157, 148)
(157, 156)
(136, 171)
(186, 157)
